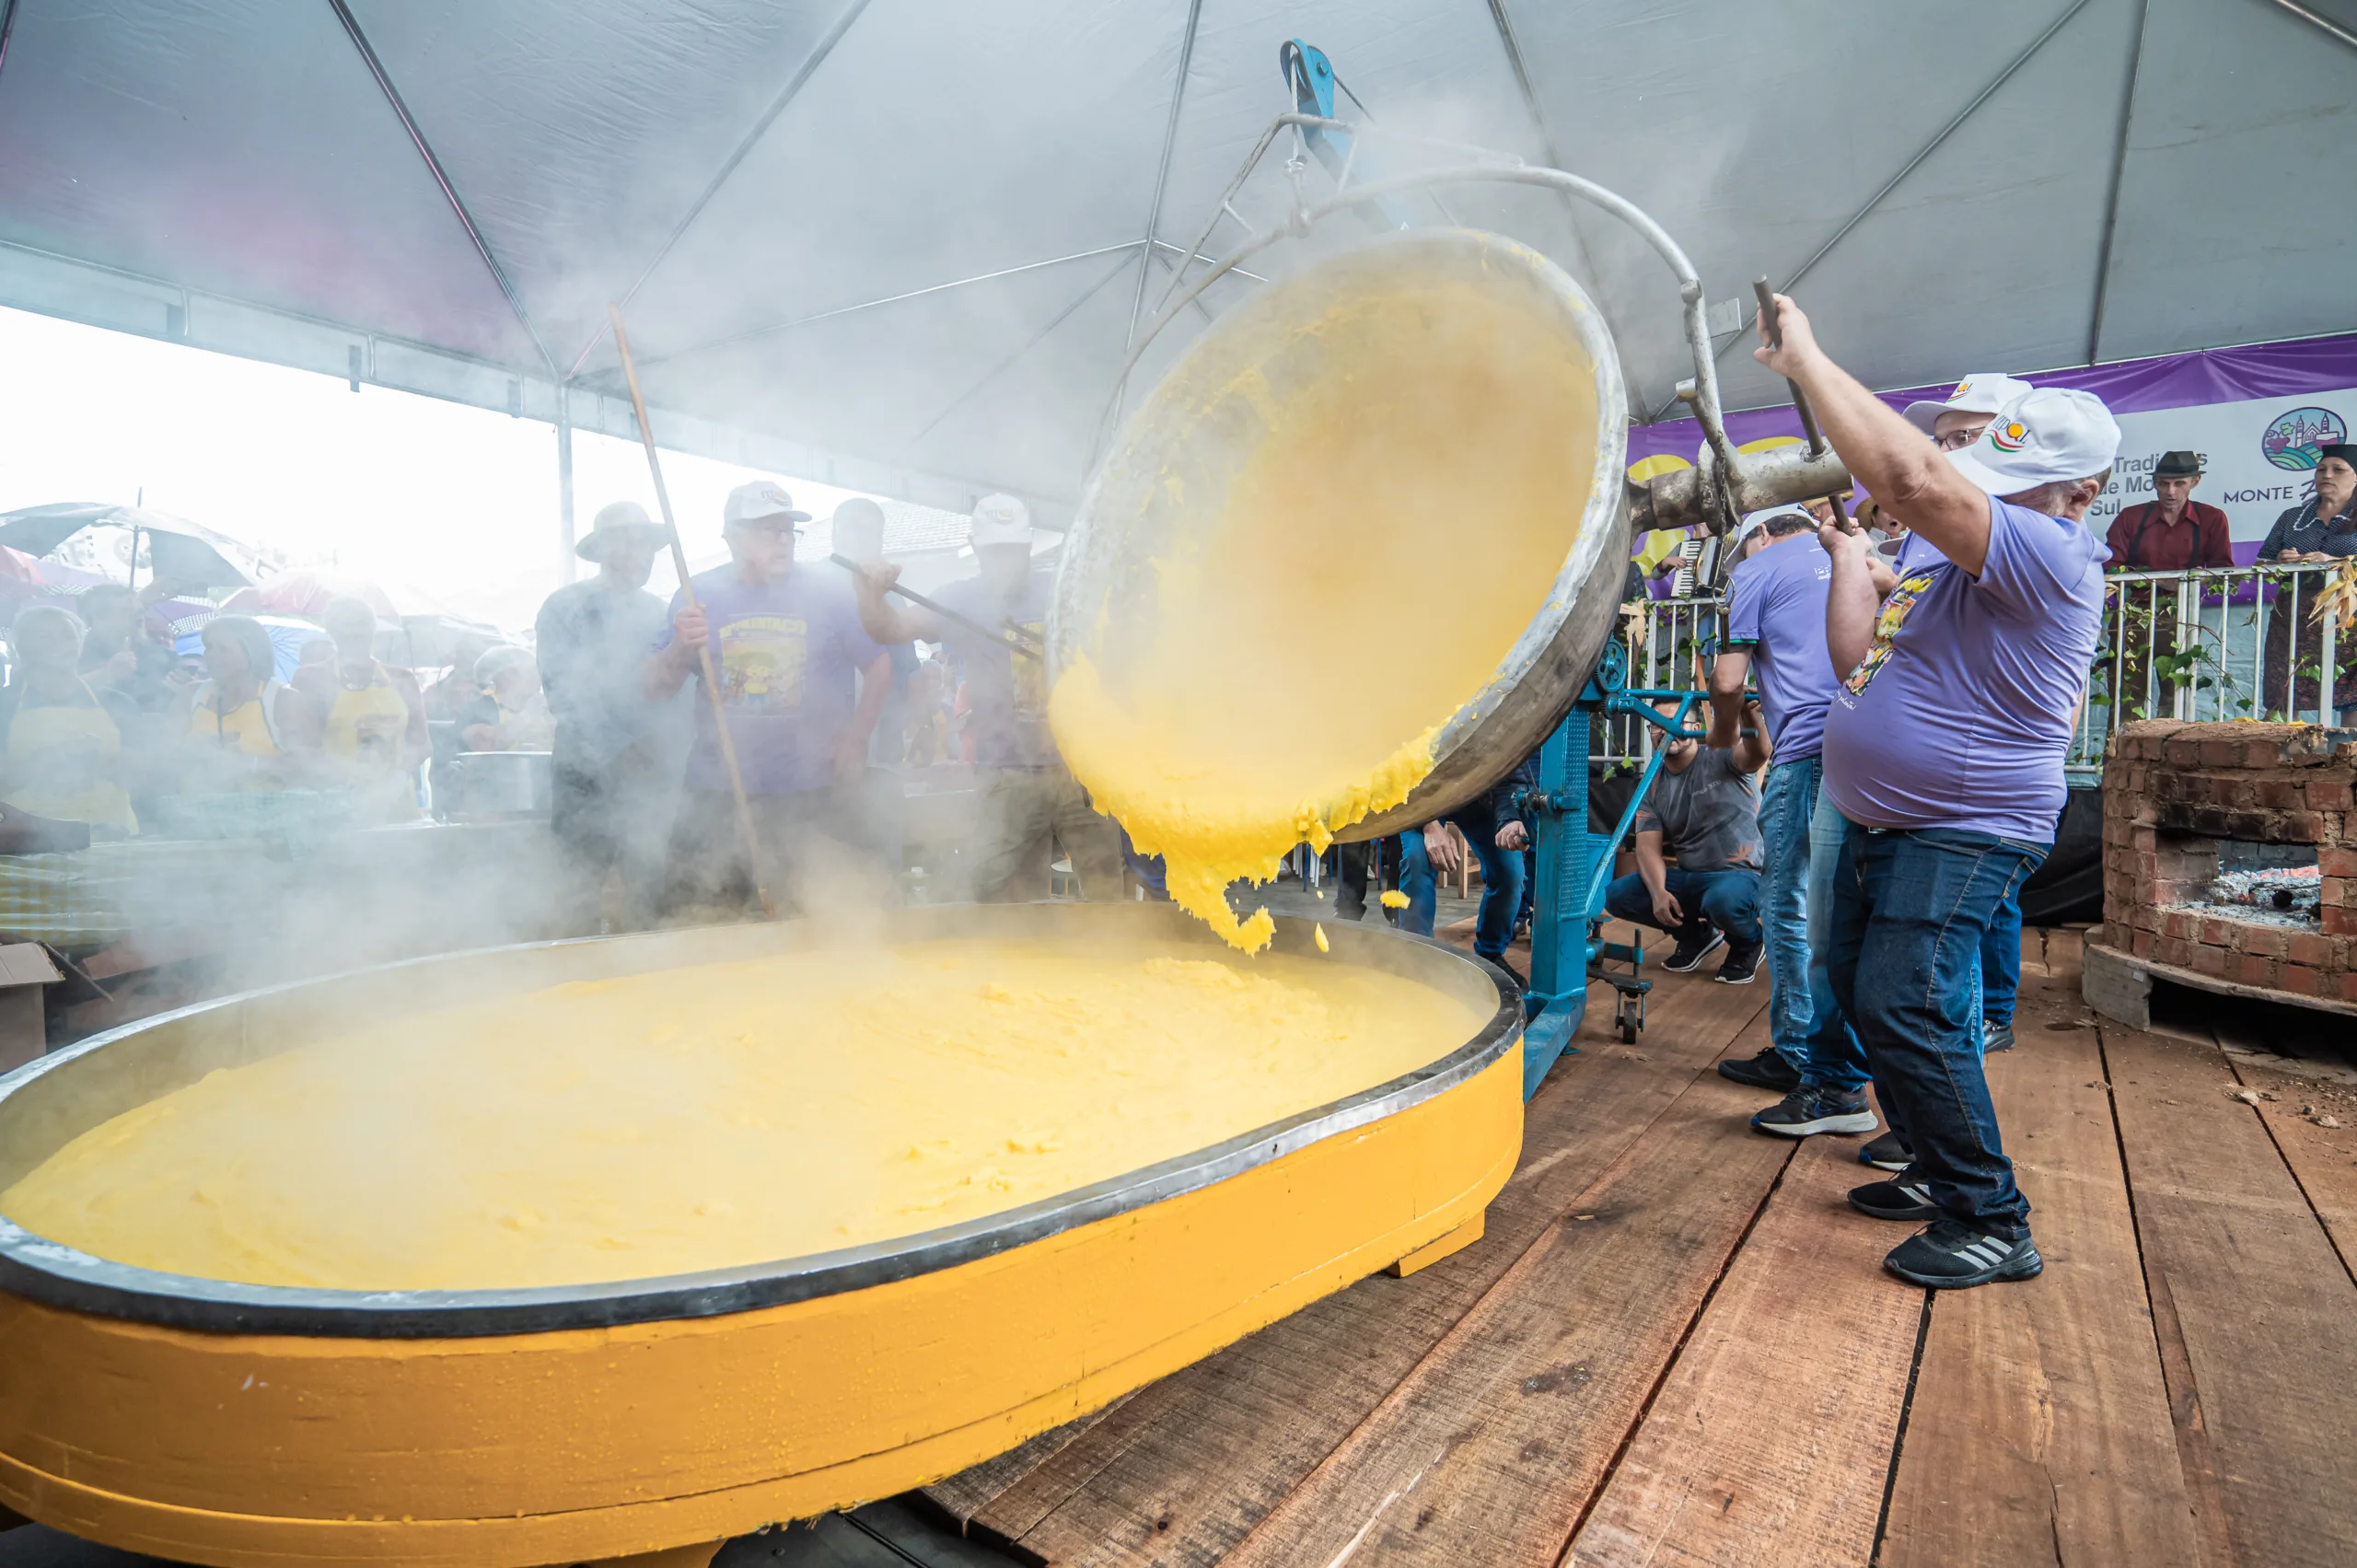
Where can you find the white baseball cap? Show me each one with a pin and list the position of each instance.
(1000, 520)
(758, 502)
(1982, 393)
(2047, 434)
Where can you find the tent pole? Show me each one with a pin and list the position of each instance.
(2111, 196)
(1169, 146)
(1504, 24)
(652, 360)
(1003, 365)
(434, 167)
(2315, 20)
(786, 95)
(1863, 212)
(567, 564)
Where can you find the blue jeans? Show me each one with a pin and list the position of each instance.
(1801, 834)
(1416, 880)
(1910, 911)
(2001, 961)
(1500, 879)
(1727, 900)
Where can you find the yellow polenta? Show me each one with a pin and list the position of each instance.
(722, 1115)
(1420, 461)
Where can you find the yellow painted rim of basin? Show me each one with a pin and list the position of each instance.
(505, 1451)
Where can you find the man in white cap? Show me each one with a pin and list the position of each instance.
(801, 684)
(1943, 751)
(1956, 421)
(607, 779)
(1027, 800)
(1775, 626)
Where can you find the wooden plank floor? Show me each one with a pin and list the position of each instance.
(1675, 1344)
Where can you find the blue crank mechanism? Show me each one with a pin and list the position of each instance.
(1575, 866)
(1311, 76)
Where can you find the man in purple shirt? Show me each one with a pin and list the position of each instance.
(1943, 749)
(801, 683)
(1776, 624)
(1027, 802)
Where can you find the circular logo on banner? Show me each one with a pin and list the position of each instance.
(2292, 442)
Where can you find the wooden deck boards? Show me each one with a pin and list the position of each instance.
(1677, 1346)
(1806, 1332)
(2264, 1307)
(1194, 1462)
(2043, 1430)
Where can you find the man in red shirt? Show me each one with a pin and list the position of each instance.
(2171, 532)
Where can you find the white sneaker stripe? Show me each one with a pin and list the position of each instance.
(1921, 1194)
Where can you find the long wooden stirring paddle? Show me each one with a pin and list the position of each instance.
(703, 649)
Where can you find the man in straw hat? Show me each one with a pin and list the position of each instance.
(1943, 751)
(1027, 800)
(611, 751)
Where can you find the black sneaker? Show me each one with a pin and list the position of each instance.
(1810, 1111)
(1768, 1071)
(1894, 1201)
(1740, 967)
(1889, 1152)
(1512, 973)
(1951, 1255)
(1687, 956)
(1995, 1036)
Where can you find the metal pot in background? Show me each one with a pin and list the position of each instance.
(491, 786)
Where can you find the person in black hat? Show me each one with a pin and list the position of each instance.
(2170, 533)
(2321, 530)
(615, 761)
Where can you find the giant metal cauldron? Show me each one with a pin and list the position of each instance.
(248, 1426)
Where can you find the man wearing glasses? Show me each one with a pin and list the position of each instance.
(1957, 424)
(801, 684)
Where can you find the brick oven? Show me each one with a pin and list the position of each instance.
(2230, 865)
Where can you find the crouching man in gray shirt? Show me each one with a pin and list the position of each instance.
(1705, 810)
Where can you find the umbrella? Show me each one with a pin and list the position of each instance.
(288, 637)
(178, 551)
(306, 593)
(22, 577)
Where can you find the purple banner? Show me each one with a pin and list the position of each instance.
(2256, 415)
(2131, 386)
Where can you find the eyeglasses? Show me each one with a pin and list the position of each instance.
(1957, 440)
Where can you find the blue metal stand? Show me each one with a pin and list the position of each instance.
(1567, 954)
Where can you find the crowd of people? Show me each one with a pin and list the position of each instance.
(818, 672)
(100, 724)
(827, 683)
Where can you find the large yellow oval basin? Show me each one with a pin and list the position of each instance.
(594, 1248)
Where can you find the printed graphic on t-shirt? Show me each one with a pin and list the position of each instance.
(761, 661)
(1895, 610)
(1031, 674)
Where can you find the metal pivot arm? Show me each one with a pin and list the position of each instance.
(1311, 76)
(1726, 475)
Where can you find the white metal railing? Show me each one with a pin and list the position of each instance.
(2213, 642)
(2217, 642)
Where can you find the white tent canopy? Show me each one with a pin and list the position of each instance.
(896, 245)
